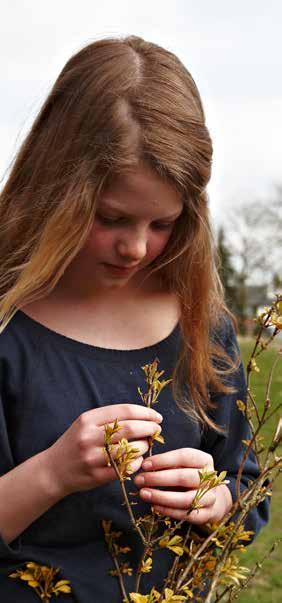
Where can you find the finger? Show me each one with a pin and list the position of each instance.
(134, 429)
(198, 517)
(103, 475)
(131, 430)
(122, 412)
(102, 458)
(182, 457)
(169, 478)
(176, 500)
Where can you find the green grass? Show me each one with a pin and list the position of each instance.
(267, 585)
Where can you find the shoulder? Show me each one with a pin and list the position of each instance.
(18, 332)
(18, 347)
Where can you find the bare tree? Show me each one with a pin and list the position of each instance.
(253, 232)
(252, 244)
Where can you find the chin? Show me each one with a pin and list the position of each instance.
(115, 283)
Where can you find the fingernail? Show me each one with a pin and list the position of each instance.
(139, 480)
(147, 465)
(146, 494)
(159, 416)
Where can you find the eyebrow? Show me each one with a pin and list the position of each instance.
(122, 213)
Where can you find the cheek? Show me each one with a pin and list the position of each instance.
(99, 241)
(158, 243)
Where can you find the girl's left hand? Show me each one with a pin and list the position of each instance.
(179, 468)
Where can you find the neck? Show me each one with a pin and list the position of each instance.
(84, 292)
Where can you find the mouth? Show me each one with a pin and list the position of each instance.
(120, 269)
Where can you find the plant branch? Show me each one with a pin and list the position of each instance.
(121, 479)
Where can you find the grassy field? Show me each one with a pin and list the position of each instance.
(267, 585)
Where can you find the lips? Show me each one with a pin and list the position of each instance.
(120, 269)
(123, 267)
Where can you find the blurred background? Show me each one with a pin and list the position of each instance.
(234, 52)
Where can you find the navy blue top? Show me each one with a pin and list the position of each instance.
(47, 381)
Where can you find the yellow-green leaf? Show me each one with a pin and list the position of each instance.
(173, 544)
(187, 590)
(63, 589)
(13, 576)
(222, 475)
(170, 597)
(137, 598)
(241, 405)
(61, 583)
(254, 365)
(33, 583)
(158, 437)
(26, 576)
(146, 566)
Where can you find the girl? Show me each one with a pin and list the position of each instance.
(108, 262)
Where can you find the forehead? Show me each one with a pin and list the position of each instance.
(141, 191)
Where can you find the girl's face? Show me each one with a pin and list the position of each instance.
(134, 220)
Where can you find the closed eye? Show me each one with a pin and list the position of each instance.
(163, 225)
(108, 221)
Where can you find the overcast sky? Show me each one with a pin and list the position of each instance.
(233, 50)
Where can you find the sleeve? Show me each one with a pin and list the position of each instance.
(227, 449)
(12, 550)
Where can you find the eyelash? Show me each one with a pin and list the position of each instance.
(115, 221)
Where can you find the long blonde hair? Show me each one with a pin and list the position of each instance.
(118, 102)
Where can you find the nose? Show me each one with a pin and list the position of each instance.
(133, 247)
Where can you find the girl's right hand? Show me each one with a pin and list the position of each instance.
(77, 461)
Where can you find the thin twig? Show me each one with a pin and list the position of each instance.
(267, 342)
(273, 412)
(120, 577)
(251, 397)
(262, 422)
(254, 571)
(171, 575)
(131, 514)
(148, 546)
(147, 551)
(223, 593)
(247, 452)
(270, 378)
(244, 495)
(227, 546)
